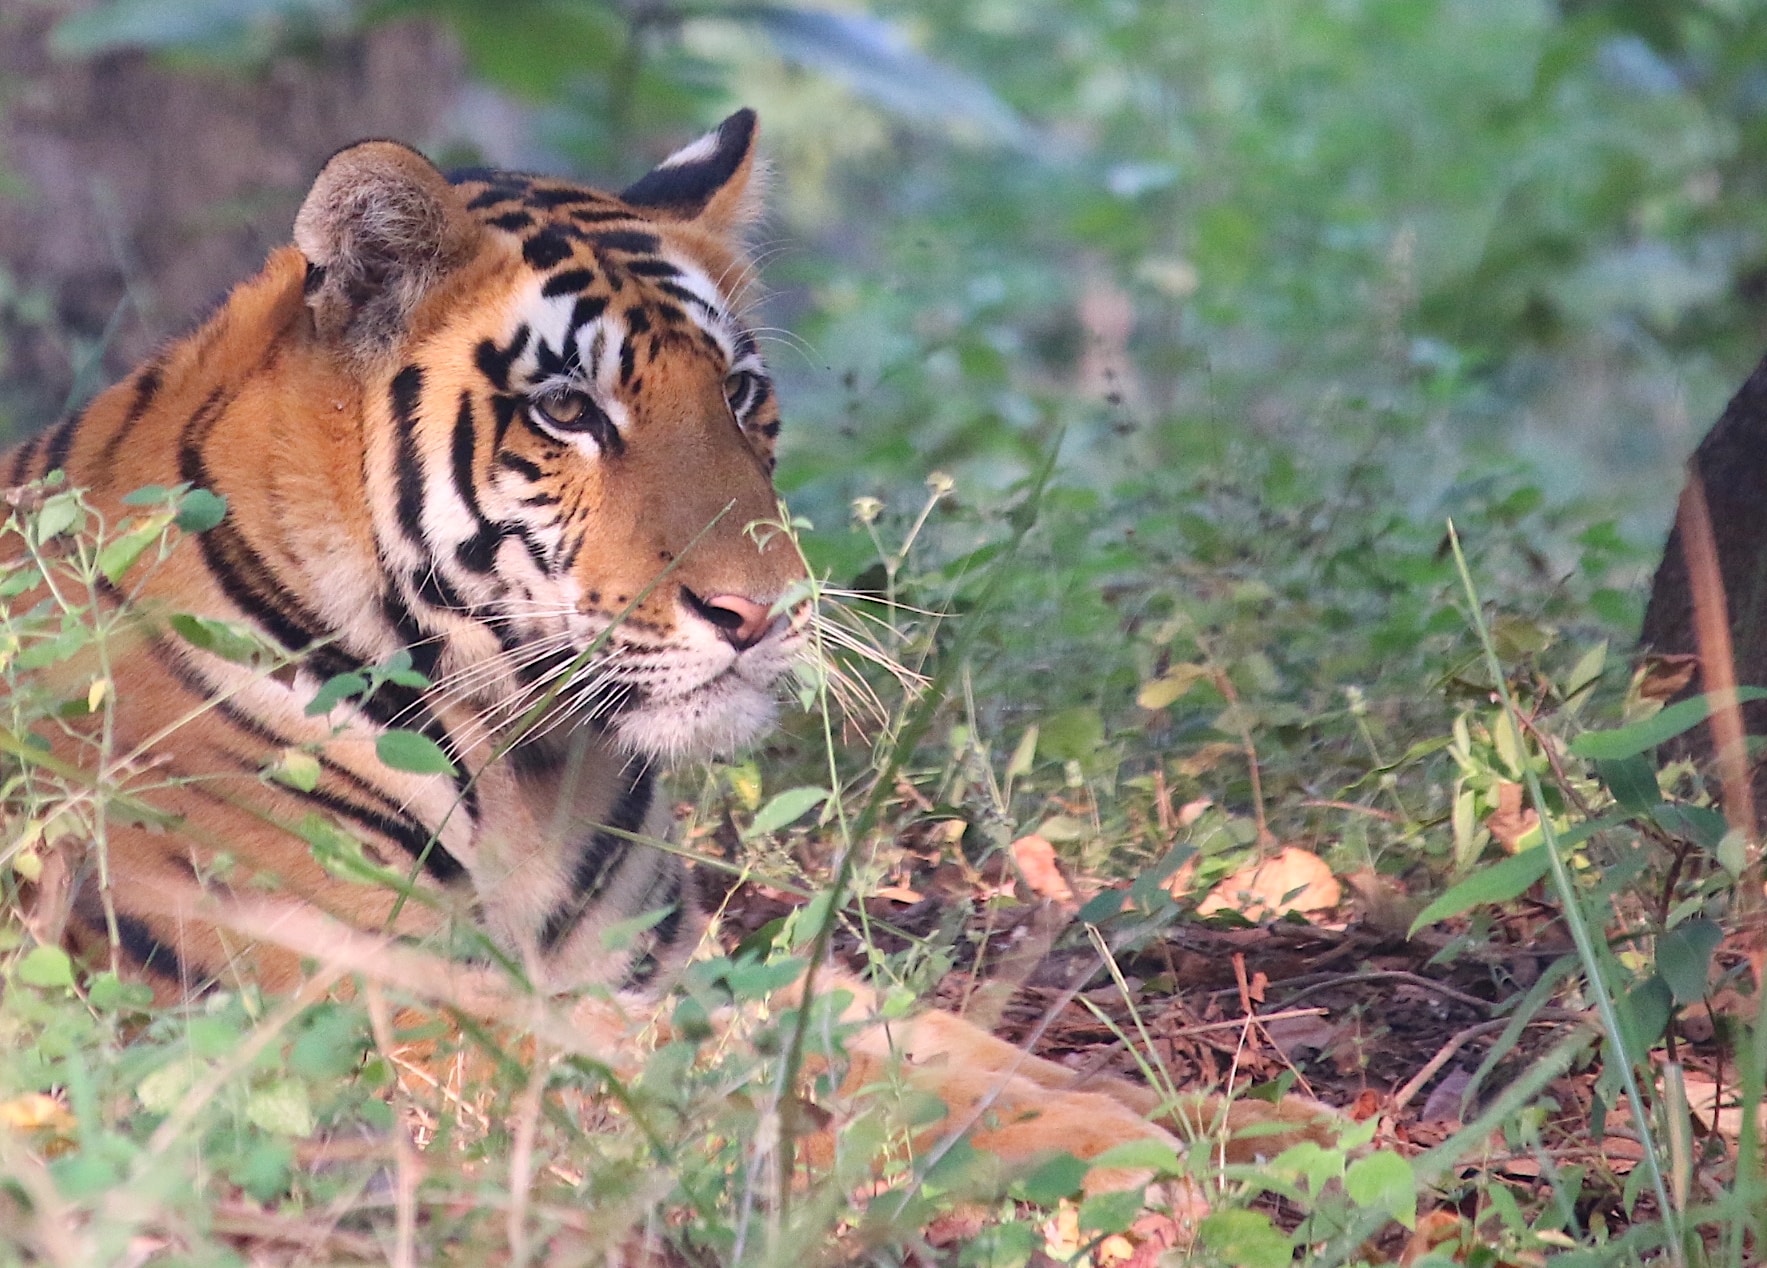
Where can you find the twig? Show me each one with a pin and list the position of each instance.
(1394, 975)
(1352, 807)
(1403, 1097)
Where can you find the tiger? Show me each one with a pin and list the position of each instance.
(514, 430)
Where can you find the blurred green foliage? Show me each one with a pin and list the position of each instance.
(1289, 282)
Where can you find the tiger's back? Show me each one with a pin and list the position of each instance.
(513, 430)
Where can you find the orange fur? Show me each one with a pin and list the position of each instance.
(470, 421)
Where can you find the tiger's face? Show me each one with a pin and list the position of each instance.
(580, 513)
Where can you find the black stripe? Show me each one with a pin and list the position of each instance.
(503, 188)
(504, 408)
(568, 282)
(479, 552)
(407, 833)
(511, 221)
(429, 585)
(520, 465)
(494, 362)
(586, 310)
(426, 652)
(396, 706)
(463, 447)
(547, 248)
(23, 457)
(265, 737)
(136, 940)
(147, 388)
(631, 241)
(598, 215)
(600, 857)
(390, 819)
(240, 571)
(406, 388)
(688, 297)
(563, 197)
(61, 441)
(535, 547)
(653, 268)
(666, 932)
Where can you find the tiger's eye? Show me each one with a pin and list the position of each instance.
(738, 387)
(563, 409)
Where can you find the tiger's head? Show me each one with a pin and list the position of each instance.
(569, 435)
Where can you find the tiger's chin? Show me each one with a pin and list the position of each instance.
(715, 720)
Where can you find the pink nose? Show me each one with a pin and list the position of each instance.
(740, 622)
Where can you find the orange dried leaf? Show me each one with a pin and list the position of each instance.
(1294, 880)
(1035, 859)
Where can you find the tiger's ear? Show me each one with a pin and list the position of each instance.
(712, 183)
(380, 228)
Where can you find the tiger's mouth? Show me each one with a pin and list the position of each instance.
(671, 704)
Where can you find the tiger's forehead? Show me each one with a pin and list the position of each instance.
(605, 278)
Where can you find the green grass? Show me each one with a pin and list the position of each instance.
(240, 1125)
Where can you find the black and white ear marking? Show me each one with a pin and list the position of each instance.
(710, 181)
(380, 227)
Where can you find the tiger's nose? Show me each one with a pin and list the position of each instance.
(740, 622)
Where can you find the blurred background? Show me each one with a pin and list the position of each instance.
(1292, 281)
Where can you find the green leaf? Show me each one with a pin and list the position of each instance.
(785, 808)
(59, 514)
(1141, 1155)
(47, 967)
(112, 994)
(1008, 1245)
(1640, 737)
(1702, 825)
(223, 638)
(199, 511)
(1383, 1181)
(161, 1091)
(297, 768)
(119, 555)
(1684, 958)
(335, 689)
(1497, 883)
(1644, 1012)
(1054, 1179)
(1072, 735)
(146, 495)
(620, 935)
(1112, 1212)
(1632, 781)
(1102, 906)
(281, 1108)
(409, 751)
(341, 854)
(1246, 1239)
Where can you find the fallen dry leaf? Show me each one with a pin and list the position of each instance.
(1661, 677)
(35, 1111)
(897, 893)
(1297, 1037)
(1294, 880)
(1509, 823)
(1035, 859)
(1723, 1116)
